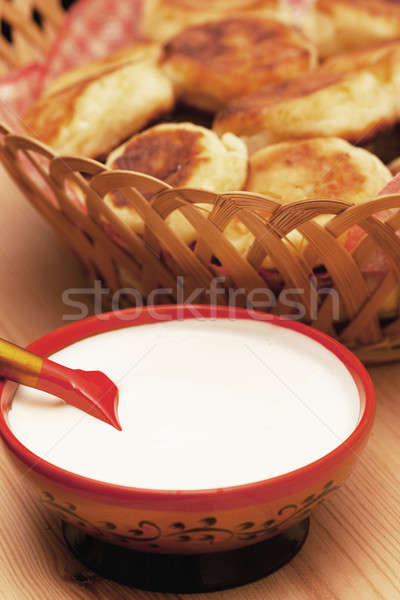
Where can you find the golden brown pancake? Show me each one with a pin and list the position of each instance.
(384, 55)
(162, 19)
(316, 169)
(338, 25)
(212, 63)
(353, 105)
(182, 155)
(319, 168)
(140, 51)
(90, 112)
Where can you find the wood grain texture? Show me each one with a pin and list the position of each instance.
(353, 550)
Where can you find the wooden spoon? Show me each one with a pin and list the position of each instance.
(90, 391)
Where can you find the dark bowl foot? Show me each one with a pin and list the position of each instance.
(183, 573)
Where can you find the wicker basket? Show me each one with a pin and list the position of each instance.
(28, 28)
(158, 260)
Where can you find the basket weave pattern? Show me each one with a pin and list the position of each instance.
(29, 27)
(120, 258)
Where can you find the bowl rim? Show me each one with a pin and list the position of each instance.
(203, 499)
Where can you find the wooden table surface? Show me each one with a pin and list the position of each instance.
(353, 550)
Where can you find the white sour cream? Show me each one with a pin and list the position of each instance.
(203, 404)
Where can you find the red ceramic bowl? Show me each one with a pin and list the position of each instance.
(188, 521)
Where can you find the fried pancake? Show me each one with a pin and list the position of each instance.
(93, 114)
(353, 105)
(212, 63)
(314, 169)
(340, 25)
(140, 51)
(183, 155)
(379, 56)
(321, 168)
(162, 19)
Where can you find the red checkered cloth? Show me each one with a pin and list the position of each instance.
(299, 7)
(92, 29)
(17, 91)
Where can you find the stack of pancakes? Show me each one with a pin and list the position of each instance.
(291, 105)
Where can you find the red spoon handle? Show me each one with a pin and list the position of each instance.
(90, 391)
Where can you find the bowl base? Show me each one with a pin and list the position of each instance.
(185, 573)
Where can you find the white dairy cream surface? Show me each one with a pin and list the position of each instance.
(203, 404)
